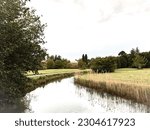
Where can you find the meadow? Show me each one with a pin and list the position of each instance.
(128, 83)
(47, 72)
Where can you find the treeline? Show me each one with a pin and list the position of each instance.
(134, 59)
(57, 62)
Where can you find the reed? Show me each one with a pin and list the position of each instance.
(130, 84)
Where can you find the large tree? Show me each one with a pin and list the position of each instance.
(21, 37)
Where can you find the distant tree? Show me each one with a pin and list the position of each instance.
(122, 53)
(59, 64)
(83, 57)
(86, 58)
(52, 57)
(65, 63)
(133, 54)
(58, 57)
(95, 64)
(147, 56)
(81, 64)
(73, 65)
(137, 51)
(43, 65)
(122, 60)
(50, 64)
(139, 61)
(103, 65)
(134, 59)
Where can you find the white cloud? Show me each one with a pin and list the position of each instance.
(95, 27)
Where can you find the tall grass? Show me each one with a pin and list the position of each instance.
(128, 83)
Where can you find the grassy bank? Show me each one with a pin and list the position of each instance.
(46, 76)
(128, 83)
(47, 72)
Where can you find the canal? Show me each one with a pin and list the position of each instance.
(65, 96)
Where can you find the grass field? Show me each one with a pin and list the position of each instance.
(53, 72)
(127, 76)
(129, 83)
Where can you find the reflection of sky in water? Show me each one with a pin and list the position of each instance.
(64, 96)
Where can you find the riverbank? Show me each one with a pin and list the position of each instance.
(53, 72)
(46, 76)
(127, 83)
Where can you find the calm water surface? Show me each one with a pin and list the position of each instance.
(65, 96)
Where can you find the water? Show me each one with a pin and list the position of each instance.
(65, 96)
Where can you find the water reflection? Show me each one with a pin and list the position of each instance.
(65, 96)
(109, 103)
(17, 106)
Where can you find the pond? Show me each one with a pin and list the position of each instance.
(63, 96)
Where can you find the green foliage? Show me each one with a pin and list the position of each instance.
(147, 56)
(21, 37)
(139, 61)
(103, 65)
(122, 60)
(81, 64)
(57, 62)
(50, 64)
(122, 53)
(85, 58)
(133, 60)
(43, 65)
(73, 65)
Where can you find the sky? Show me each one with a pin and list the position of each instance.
(94, 27)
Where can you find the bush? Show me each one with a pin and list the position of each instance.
(103, 65)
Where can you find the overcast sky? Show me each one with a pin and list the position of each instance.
(94, 27)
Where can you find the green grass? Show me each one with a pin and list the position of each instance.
(128, 76)
(129, 83)
(53, 72)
